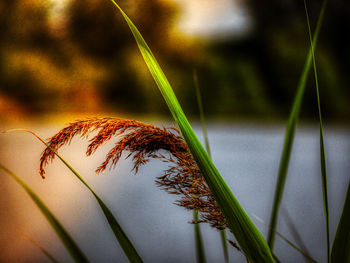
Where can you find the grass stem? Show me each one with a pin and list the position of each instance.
(290, 133)
(322, 148)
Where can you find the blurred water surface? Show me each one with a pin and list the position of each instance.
(247, 157)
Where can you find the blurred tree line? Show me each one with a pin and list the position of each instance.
(84, 58)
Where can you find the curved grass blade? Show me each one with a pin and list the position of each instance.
(289, 134)
(43, 250)
(341, 244)
(247, 235)
(207, 148)
(118, 232)
(322, 150)
(68, 242)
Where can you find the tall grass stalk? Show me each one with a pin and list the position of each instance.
(247, 235)
(201, 113)
(224, 244)
(118, 232)
(198, 239)
(198, 236)
(322, 150)
(207, 148)
(290, 132)
(73, 249)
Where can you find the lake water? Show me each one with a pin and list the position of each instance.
(247, 157)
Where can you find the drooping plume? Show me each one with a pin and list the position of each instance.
(143, 141)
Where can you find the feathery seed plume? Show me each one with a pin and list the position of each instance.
(143, 141)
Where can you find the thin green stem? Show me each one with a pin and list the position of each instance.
(290, 133)
(207, 148)
(322, 148)
(198, 238)
(224, 244)
(201, 113)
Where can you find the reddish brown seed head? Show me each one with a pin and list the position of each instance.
(143, 141)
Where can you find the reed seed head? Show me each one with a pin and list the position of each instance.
(143, 142)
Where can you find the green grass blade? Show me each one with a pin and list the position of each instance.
(68, 242)
(322, 148)
(207, 148)
(43, 250)
(247, 235)
(289, 134)
(198, 239)
(341, 244)
(118, 232)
